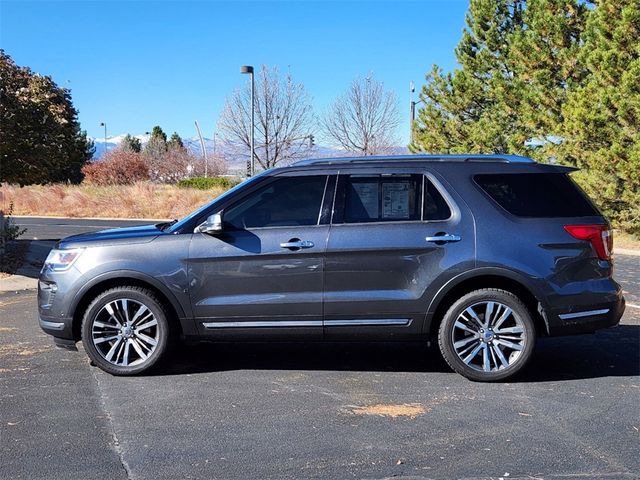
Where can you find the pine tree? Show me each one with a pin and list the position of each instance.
(470, 110)
(131, 144)
(175, 141)
(543, 58)
(156, 147)
(602, 127)
(40, 137)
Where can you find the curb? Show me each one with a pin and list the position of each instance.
(626, 251)
(124, 219)
(18, 282)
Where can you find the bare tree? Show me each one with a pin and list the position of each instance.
(364, 120)
(283, 117)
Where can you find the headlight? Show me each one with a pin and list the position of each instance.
(60, 260)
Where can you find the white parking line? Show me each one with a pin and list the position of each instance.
(632, 305)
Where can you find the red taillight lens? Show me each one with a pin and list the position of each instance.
(600, 237)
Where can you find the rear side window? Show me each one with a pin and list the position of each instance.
(389, 198)
(379, 198)
(537, 194)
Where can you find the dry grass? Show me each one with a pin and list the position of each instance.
(625, 240)
(141, 200)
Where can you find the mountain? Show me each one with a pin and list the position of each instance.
(236, 163)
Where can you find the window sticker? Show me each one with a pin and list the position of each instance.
(368, 195)
(395, 200)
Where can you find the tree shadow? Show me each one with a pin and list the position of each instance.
(609, 353)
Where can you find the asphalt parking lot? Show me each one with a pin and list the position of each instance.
(320, 411)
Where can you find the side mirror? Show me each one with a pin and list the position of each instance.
(212, 226)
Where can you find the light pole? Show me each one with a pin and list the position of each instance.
(250, 164)
(104, 124)
(412, 109)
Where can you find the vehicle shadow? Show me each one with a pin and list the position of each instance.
(608, 353)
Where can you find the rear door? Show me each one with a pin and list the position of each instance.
(392, 234)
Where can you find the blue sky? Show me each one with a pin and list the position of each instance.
(135, 64)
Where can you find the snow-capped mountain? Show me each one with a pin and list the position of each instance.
(236, 163)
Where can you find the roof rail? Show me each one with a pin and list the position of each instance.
(489, 157)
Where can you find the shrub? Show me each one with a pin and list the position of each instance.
(117, 167)
(207, 183)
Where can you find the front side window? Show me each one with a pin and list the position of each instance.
(285, 202)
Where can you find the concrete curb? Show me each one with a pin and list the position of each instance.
(626, 251)
(124, 219)
(26, 278)
(18, 282)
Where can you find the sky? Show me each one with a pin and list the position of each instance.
(136, 64)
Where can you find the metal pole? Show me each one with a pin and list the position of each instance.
(204, 150)
(104, 124)
(412, 109)
(253, 126)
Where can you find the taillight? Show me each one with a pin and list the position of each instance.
(600, 237)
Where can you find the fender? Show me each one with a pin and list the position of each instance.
(124, 274)
(523, 279)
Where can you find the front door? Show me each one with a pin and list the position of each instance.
(264, 274)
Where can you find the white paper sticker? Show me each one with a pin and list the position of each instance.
(395, 200)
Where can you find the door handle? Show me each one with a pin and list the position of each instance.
(296, 244)
(444, 238)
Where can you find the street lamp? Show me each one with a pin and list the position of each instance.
(250, 164)
(412, 109)
(104, 124)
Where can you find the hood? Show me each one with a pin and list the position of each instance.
(125, 235)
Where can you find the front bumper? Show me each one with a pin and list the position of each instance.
(58, 327)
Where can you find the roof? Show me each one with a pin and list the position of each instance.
(418, 158)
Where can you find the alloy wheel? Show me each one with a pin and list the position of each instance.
(125, 332)
(489, 336)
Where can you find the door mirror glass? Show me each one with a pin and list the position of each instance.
(212, 226)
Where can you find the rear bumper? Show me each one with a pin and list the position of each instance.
(586, 320)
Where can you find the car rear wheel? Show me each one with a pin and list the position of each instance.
(487, 335)
(125, 331)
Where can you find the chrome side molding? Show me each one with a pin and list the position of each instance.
(357, 322)
(588, 313)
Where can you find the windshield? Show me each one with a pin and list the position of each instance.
(178, 225)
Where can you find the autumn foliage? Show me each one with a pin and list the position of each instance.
(117, 167)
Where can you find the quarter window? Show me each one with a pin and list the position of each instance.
(285, 202)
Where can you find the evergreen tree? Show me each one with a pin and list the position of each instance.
(175, 141)
(131, 144)
(40, 137)
(470, 109)
(156, 147)
(602, 127)
(543, 59)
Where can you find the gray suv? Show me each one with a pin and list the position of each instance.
(484, 253)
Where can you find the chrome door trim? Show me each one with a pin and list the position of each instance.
(361, 322)
(589, 313)
(264, 324)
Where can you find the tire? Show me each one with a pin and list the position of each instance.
(487, 351)
(125, 331)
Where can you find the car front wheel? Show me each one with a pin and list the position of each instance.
(487, 335)
(125, 330)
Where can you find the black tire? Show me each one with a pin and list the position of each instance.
(462, 343)
(95, 337)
